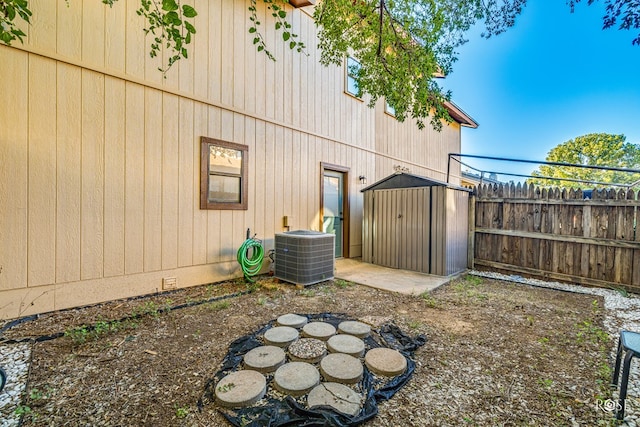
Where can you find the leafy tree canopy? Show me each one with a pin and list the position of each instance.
(594, 149)
(401, 45)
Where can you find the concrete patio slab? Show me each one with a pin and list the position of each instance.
(388, 279)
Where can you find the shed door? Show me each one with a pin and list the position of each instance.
(402, 228)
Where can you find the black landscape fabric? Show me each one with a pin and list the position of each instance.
(271, 411)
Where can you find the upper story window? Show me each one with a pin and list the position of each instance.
(223, 174)
(389, 109)
(351, 85)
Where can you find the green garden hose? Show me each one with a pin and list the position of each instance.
(251, 266)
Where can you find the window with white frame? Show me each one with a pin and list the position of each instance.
(389, 109)
(351, 85)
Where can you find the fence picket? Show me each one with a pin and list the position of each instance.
(557, 233)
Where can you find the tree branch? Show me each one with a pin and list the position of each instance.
(382, 9)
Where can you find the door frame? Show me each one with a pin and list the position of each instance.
(345, 201)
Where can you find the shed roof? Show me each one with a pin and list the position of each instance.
(407, 180)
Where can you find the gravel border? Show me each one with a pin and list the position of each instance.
(15, 360)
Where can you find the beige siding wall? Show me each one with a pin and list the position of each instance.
(99, 155)
(424, 152)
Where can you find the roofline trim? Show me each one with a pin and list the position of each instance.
(459, 115)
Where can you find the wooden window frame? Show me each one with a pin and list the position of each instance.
(205, 143)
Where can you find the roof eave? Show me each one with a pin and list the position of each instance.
(459, 115)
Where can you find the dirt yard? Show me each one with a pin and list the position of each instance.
(497, 354)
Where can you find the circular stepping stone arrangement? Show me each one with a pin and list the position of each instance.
(341, 368)
(296, 378)
(338, 396)
(355, 328)
(347, 344)
(241, 388)
(280, 336)
(265, 359)
(308, 350)
(320, 330)
(385, 361)
(292, 320)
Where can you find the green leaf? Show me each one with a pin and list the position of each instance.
(282, 14)
(292, 45)
(286, 35)
(252, 30)
(172, 18)
(190, 28)
(169, 5)
(6, 37)
(260, 48)
(10, 11)
(189, 11)
(256, 40)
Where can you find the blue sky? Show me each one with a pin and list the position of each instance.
(552, 77)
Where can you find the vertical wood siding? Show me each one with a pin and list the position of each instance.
(99, 154)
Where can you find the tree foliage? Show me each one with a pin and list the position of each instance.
(9, 11)
(402, 45)
(166, 21)
(168, 25)
(594, 149)
(623, 13)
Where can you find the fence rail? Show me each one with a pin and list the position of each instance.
(558, 234)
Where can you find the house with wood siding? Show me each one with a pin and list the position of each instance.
(116, 182)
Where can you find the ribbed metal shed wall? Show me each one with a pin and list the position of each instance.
(415, 223)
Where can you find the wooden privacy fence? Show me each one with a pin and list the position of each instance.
(558, 234)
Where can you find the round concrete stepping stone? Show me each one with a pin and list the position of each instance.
(320, 330)
(280, 336)
(266, 358)
(309, 350)
(341, 368)
(355, 328)
(338, 396)
(240, 389)
(296, 378)
(347, 344)
(385, 361)
(292, 320)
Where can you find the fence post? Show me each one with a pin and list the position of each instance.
(471, 239)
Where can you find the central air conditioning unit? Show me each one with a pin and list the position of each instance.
(304, 257)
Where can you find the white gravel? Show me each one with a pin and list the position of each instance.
(14, 359)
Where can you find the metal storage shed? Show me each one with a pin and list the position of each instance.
(416, 223)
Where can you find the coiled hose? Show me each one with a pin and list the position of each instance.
(251, 265)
